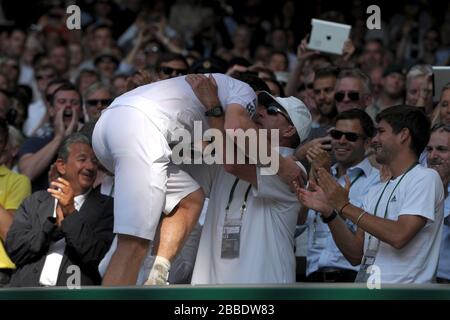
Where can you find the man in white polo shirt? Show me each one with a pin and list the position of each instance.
(248, 234)
(132, 139)
(400, 221)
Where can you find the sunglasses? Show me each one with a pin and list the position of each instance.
(349, 136)
(95, 102)
(273, 110)
(169, 71)
(352, 95)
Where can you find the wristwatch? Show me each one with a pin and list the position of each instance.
(330, 218)
(217, 111)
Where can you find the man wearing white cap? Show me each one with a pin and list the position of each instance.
(248, 234)
(132, 139)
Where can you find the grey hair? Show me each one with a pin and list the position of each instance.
(97, 86)
(419, 70)
(64, 149)
(357, 74)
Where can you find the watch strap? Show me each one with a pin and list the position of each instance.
(330, 218)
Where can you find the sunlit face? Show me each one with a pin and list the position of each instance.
(353, 94)
(438, 149)
(444, 107)
(80, 169)
(385, 143)
(413, 90)
(349, 153)
(324, 95)
(69, 101)
(96, 102)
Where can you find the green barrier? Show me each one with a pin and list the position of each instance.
(182, 292)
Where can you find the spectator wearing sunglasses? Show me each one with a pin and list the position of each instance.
(261, 207)
(170, 65)
(438, 158)
(349, 140)
(96, 98)
(353, 90)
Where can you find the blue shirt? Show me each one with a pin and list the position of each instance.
(444, 253)
(322, 250)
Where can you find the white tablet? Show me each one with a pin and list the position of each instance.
(441, 76)
(328, 36)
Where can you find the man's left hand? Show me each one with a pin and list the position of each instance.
(205, 88)
(63, 192)
(336, 195)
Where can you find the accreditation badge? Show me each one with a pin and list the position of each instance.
(367, 261)
(231, 239)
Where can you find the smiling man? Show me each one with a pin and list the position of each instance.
(438, 156)
(349, 140)
(59, 236)
(399, 223)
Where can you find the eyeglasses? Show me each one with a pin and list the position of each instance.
(95, 102)
(352, 95)
(169, 71)
(349, 136)
(273, 110)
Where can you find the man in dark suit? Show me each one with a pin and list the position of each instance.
(59, 236)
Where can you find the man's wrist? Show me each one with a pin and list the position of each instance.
(216, 111)
(68, 209)
(330, 217)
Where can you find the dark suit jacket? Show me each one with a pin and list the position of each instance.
(88, 234)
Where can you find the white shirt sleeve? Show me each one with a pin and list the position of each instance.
(422, 195)
(273, 188)
(234, 91)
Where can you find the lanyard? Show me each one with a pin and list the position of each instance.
(392, 193)
(389, 199)
(230, 199)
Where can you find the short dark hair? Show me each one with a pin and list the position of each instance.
(326, 72)
(250, 78)
(64, 149)
(412, 118)
(58, 82)
(278, 85)
(65, 87)
(364, 119)
(170, 56)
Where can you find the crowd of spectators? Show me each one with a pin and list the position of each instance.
(55, 82)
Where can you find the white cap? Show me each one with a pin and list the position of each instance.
(298, 113)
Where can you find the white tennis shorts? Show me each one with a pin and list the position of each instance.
(129, 145)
